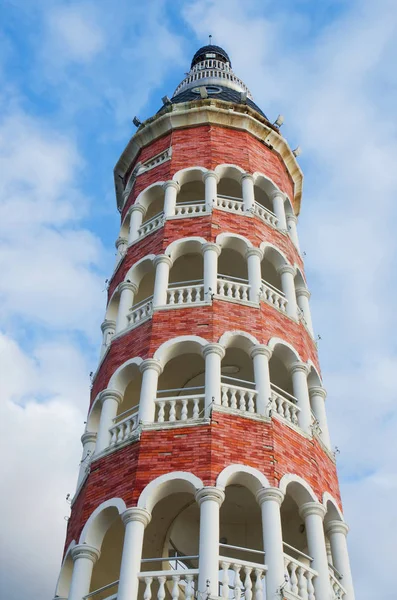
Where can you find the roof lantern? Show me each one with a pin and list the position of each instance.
(210, 51)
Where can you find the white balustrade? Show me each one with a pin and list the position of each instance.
(123, 430)
(179, 408)
(240, 579)
(283, 406)
(230, 203)
(300, 578)
(315, 425)
(154, 223)
(182, 584)
(141, 311)
(238, 398)
(185, 293)
(338, 592)
(273, 296)
(233, 288)
(188, 209)
(265, 215)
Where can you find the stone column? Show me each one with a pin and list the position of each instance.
(299, 372)
(302, 297)
(317, 396)
(210, 252)
(110, 400)
(209, 499)
(108, 328)
(254, 257)
(127, 291)
(121, 246)
(247, 183)
(287, 274)
(291, 226)
(171, 189)
(88, 439)
(213, 354)
(270, 500)
(337, 532)
(211, 180)
(150, 369)
(313, 514)
(261, 355)
(135, 520)
(278, 199)
(137, 213)
(84, 558)
(162, 263)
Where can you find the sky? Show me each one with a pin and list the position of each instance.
(72, 77)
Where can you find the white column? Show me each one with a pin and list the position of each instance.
(171, 189)
(209, 499)
(313, 514)
(84, 558)
(108, 328)
(135, 520)
(317, 401)
(337, 532)
(247, 183)
(302, 298)
(270, 500)
(88, 439)
(261, 355)
(213, 354)
(254, 257)
(110, 400)
(210, 252)
(291, 226)
(162, 263)
(210, 179)
(287, 274)
(299, 372)
(278, 199)
(137, 213)
(150, 369)
(121, 246)
(127, 291)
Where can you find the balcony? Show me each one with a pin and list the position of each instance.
(183, 406)
(232, 288)
(194, 208)
(229, 204)
(185, 292)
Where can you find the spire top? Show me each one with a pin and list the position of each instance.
(210, 40)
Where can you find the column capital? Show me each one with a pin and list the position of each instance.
(299, 366)
(113, 394)
(88, 436)
(277, 194)
(211, 246)
(262, 350)
(286, 269)
(151, 363)
(312, 508)
(336, 527)
(247, 176)
(171, 184)
(107, 324)
(317, 391)
(136, 514)
(85, 551)
(291, 217)
(271, 494)
(210, 493)
(127, 285)
(163, 258)
(254, 252)
(137, 208)
(213, 348)
(120, 241)
(301, 291)
(208, 174)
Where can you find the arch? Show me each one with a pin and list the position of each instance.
(122, 376)
(289, 209)
(230, 171)
(234, 241)
(244, 475)
(175, 346)
(65, 575)
(297, 488)
(143, 198)
(100, 520)
(164, 485)
(189, 174)
(143, 266)
(112, 308)
(287, 351)
(274, 255)
(334, 513)
(300, 281)
(265, 183)
(313, 378)
(245, 341)
(184, 245)
(94, 415)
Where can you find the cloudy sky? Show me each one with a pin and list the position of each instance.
(72, 76)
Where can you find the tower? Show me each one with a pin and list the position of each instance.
(207, 468)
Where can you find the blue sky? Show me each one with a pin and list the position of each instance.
(72, 77)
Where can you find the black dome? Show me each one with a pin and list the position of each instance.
(210, 49)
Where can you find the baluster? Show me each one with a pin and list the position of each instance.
(237, 581)
(225, 399)
(189, 591)
(244, 290)
(175, 587)
(160, 416)
(225, 579)
(242, 404)
(196, 408)
(258, 584)
(251, 404)
(287, 577)
(198, 293)
(184, 410)
(310, 586)
(180, 296)
(293, 578)
(127, 429)
(287, 411)
(279, 405)
(302, 583)
(120, 436)
(161, 590)
(189, 295)
(233, 399)
(172, 415)
(248, 583)
(171, 296)
(148, 589)
(294, 415)
(113, 437)
(229, 290)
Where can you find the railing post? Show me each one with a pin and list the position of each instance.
(108, 328)
(254, 257)
(302, 298)
(261, 355)
(210, 252)
(299, 372)
(84, 558)
(127, 292)
(278, 199)
(291, 226)
(110, 400)
(313, 514)
(247, 183)
(337, 532)
(287, 274)
(88, 439)
(211, 180)
(162, 263)
(209, 499)
(137, 213)
(270, 500)
(317, 399)
(171, 189)
(150, 369)
(135, 520)
(213, 354)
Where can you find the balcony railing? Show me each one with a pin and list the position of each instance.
(240, 578)
(123, 430)
(229, 203)
(273, 296)
(151, 225)
(265, 214)
(300, 579)
(284, 405)
(337, 590)
(141, 311)
(183, 406)
(186, 292)
(189, 209)
(233, 288)
(237, 397)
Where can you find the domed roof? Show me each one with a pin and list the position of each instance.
(210, 49)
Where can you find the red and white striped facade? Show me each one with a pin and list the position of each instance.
(207, 436)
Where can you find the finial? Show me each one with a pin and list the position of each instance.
(210, 40)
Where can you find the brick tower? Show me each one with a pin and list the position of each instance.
(207, 468)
